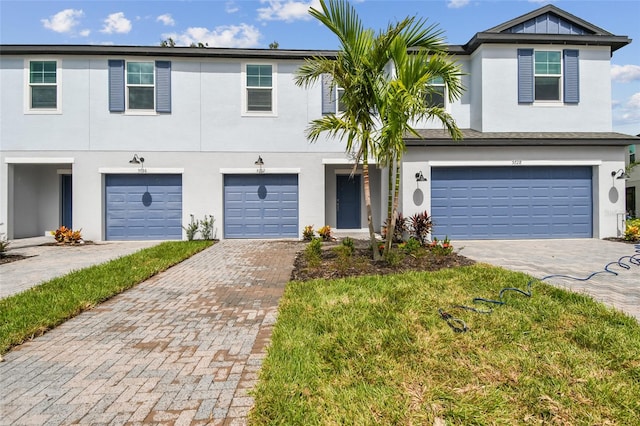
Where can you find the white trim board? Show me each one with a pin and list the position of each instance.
(39, 160)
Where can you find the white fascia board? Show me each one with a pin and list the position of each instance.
(516, 162)
(256, 171)
(39, 160)
(146, 170)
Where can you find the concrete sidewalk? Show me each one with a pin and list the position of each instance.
(574, 257)
(47, 262)
(183, 347)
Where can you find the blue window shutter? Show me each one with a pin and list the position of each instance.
(525, 76)
(328, 97)
(571, 81)
(163, 86)
(116, 85)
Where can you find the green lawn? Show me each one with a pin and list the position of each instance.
(41, 308)
(374, 350)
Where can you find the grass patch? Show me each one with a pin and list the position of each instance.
(373, 350)
(34, 311)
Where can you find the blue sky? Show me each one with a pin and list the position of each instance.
(255, 24)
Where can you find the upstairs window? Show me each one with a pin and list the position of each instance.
(632, 153)
(43, 85)
(548, 75)
(340, 104)
(259, 88)
(140, 85)
(435, 93)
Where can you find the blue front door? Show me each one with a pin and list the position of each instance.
(65, 201)
(348, 201)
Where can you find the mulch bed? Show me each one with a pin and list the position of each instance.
(361, 263)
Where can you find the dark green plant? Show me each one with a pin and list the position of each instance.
(412, 246)
(313, 252)
(192, 228)
(349, 245)
(206, 227)
(393, 257)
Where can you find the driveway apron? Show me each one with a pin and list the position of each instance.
(183, 347)
(574, 257)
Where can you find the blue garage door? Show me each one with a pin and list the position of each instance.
(511, 202)
(260, 206)
(143, 207)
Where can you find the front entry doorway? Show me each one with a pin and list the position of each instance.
(348, 201)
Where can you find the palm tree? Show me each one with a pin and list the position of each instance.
(402, 102)
(359, 68)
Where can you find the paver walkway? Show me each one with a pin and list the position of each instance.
(575, 257)
(184, 347)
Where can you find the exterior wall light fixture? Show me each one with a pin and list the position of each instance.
(420, 177)
(620, 174)
(260, 164)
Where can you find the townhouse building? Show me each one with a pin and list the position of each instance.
(127, 142)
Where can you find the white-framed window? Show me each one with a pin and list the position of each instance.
(632, 153)
(259, 89)
(435, 96)
(140, 78)
(547, 75)
(43, 86)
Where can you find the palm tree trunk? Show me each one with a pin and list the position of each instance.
(367, 201)
(391, 217)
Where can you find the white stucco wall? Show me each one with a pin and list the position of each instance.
(502, 113)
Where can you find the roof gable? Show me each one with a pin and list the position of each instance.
(548, 20)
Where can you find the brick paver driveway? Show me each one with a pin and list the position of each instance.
(574, 257)
(184, 347)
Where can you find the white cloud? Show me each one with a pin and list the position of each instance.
(116, 23)
(625, 73)
(85, 33)
(166, 19)
(63, 21)
(242, 36)
(230, 7)
(457, 4)
(627, 112)
(287, 11)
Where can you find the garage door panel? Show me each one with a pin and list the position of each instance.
(261, 206)
(143, 207)
(511, 202)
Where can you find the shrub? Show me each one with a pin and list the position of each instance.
(206, 228)
(313, 252)
(441, 248)
(411, 246)
(308, 233)
(632, 230)
(421, 227)
(393, 257)
(192, 228)
(400, 228)
(64, 235)
(349, 246)
(3, 245)
(325, 233)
